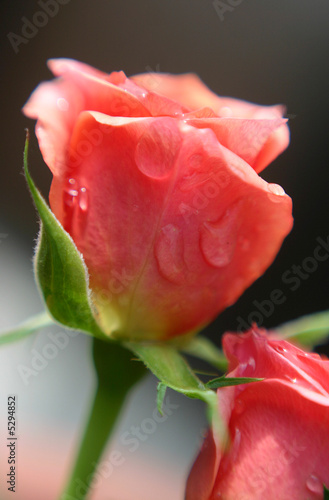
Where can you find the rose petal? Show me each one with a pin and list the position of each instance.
(253, 354)
(203, 473)
(194, 219)
(281, 434)
(57, 105)
(258, 142)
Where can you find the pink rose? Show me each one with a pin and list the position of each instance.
(279, 427)
(154, 177)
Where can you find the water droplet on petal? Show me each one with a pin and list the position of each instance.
(169, 253)
(75, 206)
(314, 484)
(219, 239)
(293, 380)
(280, 349)
(62, 104)
(275, 192)
(156, 150)
(70, 197)
(83, 199)
(225, 112)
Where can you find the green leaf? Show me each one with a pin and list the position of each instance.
(224, 381)
(325, 493)
(161, 392)
(309, 330)
(60, 270)
(203, 348)
(25, 329)
(171, 369)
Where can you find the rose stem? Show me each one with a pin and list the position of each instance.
(116, 374)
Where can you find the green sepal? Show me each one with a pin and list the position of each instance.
(203, 348)
(167, 364)
(59, 269)
(309, 330)
(325, 493)
(161, 392)
(224, 381)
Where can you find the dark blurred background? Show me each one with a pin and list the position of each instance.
(261, 51)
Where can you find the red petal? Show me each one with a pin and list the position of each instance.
(186, 224)
(258, 142)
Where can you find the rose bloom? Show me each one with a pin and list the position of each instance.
(279, 427)
(155, 178)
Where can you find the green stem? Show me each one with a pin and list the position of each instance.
(116, 375)
(29, 326)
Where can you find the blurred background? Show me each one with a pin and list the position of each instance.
(265, 52)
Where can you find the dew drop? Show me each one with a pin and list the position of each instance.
(219, 239)
(275, 192)
(169, 253)
(276, 189)
(75, 206)
(157, 149)
(62, 104)
(83, 199)
(70, 197)
(293, 380)
(314, 484)
(225, 112)
(281, 350)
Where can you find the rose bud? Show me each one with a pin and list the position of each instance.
(278, 427)
(154, 178)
